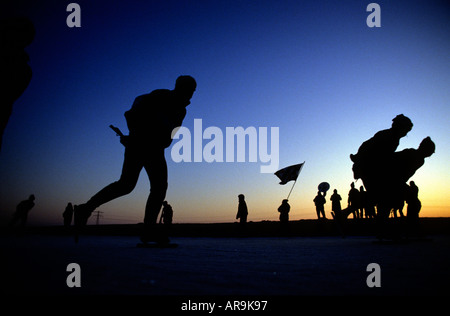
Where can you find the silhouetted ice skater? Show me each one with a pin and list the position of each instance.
(166, 214)
(412, 198)
(319, 202)
(68, 215)
(375, 155)
(385, 172)
(335, 199)
(22, 210)
(373, 161)
(404, 165)
(242, 212)
(284, 210)
(414, 206)
(408, 161)
(150, 121)
(15, 35)
(354, 200)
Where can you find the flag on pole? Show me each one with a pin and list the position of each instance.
(289, 173)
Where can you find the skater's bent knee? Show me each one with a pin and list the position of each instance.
(125, 187)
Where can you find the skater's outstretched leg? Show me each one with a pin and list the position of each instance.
(132, 166)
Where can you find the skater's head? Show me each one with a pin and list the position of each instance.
(335, 191)
(185, 87)
(31, 197)
(165, 203)
(241, 197)
(427, 147)
(401, 125)
(284, 201)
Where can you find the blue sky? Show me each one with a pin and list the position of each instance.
(312, 68)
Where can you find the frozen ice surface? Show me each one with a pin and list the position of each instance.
(224, 266)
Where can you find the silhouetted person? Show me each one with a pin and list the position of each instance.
(404, 165)
(412, 198)
(21, 213)
(15, 35)
(335, 199)
(166, 214)
(68, 214)
(319, 202)
(337, 213)
(375, 155)
(414, 206)
(354, 200)
(150, 121)
(408, 161)
(284, 211)
(242, 212)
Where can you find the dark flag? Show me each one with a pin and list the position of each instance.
(289, 173)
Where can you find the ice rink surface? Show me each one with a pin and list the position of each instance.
(225, 266)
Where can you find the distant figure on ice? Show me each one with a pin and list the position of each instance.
(166, 214)
(21, 213)
(242, 212)
(319, 202)
(354, 200)
(15, 35)
(335, 199)
(150, 120)
(414, 206)
(68, 214)
(284, 211)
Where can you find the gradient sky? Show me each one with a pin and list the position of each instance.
(312, 68)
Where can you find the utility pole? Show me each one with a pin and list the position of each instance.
(98, 216)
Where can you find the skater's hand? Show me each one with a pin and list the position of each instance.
(124, 140)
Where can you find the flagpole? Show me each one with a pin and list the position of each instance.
(291, 190)
(295, 180)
